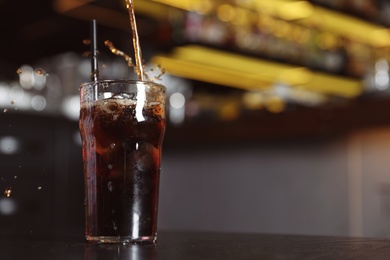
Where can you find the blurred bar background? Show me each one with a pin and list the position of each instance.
(278, 112)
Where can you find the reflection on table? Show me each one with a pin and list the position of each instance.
(197, 245)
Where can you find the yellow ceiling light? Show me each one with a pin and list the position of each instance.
(226, 13)
(251, 70)
(295, 10)
(347, 27)
(211, 74)
(380, 38)
(323, 19)
(187, 5)
(344, 87)
(227, 69)
(296, 76)
(301, 12)
(267, 7)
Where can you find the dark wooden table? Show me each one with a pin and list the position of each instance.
(197, 245)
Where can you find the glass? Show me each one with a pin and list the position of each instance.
(122, 124)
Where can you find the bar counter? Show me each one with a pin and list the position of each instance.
(197, 245)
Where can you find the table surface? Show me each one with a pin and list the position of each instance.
(197, 245)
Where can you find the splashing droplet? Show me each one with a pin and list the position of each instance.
(87, 41)
(5, 110)
(19, 71)
(118, 52)
(8, 192)
(39, 188)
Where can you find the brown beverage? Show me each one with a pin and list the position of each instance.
(122, 154)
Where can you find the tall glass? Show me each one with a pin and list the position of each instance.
(122, 124)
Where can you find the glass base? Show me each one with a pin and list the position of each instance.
(122, 240)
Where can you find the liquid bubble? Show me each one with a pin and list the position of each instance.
(13, 102)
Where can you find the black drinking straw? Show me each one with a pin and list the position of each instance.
(94, 59)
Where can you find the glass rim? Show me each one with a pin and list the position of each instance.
(122, 81)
